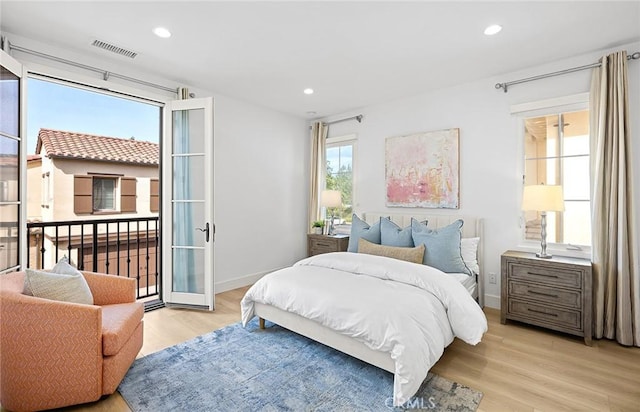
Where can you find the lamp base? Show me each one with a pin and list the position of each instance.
(543, 236)
(330, 231)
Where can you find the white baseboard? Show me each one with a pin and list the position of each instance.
(235, 283)
(492, 301)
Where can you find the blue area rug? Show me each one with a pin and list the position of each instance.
(238, 369)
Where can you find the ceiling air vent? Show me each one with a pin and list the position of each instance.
(114, 49)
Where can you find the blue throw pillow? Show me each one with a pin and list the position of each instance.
(392, 235)
(419, 227)
(442, 246)
(361, 229)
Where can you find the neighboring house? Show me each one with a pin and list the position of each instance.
(34, 194)
(107, 178)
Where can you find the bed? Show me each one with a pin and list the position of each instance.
(345, 279)
(473, 228)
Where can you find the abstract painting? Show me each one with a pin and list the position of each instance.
(422, 170)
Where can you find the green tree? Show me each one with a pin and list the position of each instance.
(342, 180)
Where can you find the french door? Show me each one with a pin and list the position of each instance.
(187, 224)
(12, 164)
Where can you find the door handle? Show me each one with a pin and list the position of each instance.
(205, 230)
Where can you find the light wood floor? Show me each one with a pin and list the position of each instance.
(517, 367)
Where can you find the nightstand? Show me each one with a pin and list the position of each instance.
(317, 244)
(553, 293)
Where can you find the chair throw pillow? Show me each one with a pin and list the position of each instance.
(63, 267)
(409, 254)
(361, 229)
(442, 246)
(55, 286)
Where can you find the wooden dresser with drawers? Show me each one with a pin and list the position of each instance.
(552, 293)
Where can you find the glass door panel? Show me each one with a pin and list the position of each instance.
(10, 102)
(185, 167)
(188, 214)
(188, 270)
(9, 231)
(188, 128)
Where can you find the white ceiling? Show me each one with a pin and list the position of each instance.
(353, 54)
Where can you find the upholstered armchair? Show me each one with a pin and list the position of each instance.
(55, 354)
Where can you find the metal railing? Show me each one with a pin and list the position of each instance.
(123, 247)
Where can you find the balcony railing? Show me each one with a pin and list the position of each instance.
(122, 247)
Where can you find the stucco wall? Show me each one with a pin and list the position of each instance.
(34, 190)
(63, 171)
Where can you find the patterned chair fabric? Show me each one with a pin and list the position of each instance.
(55, 354)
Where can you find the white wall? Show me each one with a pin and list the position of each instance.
(261, 159)
(261, 179)
(490, 150)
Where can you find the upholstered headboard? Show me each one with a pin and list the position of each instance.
(473, 227)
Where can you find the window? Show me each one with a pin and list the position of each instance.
(104, 194)
(46, 187)
(556, 151)
(339, 176)
(96, 194)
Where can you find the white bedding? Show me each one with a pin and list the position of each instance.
(408, 310)
(469, 282)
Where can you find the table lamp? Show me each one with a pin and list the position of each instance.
(543, 199)
(331, 199)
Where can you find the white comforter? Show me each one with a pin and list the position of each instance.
(408, 310)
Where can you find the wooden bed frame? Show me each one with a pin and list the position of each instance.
(473, 227)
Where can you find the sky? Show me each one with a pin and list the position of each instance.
(54, 106)
(340, 156)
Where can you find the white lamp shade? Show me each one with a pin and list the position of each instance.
(331, 198)
(543, 198)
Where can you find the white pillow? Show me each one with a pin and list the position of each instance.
(55, 286)
(469, 250)
(63, 267)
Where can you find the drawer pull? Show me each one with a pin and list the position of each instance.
(324, 244)
(543, 274)
(542, 312)
(543, 294)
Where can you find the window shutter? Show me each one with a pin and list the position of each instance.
(128, 194)
(82, 194)
(154, 192)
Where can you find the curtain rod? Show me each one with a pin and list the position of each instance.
(358, 118)
(105, 73)
(505, 86)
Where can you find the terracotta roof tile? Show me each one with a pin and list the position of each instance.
(12, 160)
(58, 143)
(9, 160)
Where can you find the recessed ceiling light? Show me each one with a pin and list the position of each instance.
(311, 113)
(493, 29)
(162, 32)
(308, 91)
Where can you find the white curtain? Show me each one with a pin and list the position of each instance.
(318, 166)
(616, 277)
